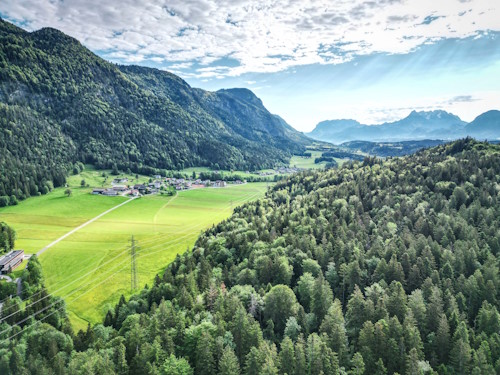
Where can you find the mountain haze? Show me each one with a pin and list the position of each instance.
(416, 126)
(61, 104)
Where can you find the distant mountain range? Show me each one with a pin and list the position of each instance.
(416, 126)
(61, 104)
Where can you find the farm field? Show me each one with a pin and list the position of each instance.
(91, 268)
(307, 162)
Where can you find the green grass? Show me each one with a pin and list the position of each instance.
(307, 162)
(226, 173)
(91, 268)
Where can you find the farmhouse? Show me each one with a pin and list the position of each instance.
(120, 188)
(110, 192)
(140, 187)
(98, 191)
(219, 183)
(11, 260)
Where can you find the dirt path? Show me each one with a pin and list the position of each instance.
(82, 226)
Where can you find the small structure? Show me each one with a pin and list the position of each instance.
(11, 261)
(98, 191)
(110, 192)
(134, 193)
(142, 188)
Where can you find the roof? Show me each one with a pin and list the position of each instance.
(6, 259)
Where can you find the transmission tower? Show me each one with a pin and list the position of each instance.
(133, 271)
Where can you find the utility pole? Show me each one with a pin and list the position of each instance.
(133, 271)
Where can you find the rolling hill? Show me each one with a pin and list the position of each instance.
(416, 126)
(61, 104)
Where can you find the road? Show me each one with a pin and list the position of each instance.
(82, 226)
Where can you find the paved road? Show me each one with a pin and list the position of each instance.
(82, 226)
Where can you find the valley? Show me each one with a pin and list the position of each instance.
(91, 268)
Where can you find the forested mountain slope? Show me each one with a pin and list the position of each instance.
(378, 267)
(60, 103)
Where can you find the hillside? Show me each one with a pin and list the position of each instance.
(486, 125)
(374, 268)
(416, 126)
(61, 104)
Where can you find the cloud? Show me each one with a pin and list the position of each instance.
(461, 99)
(262, 37)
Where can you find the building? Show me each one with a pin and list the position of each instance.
(98, 191)
(109, 192)
(11, 261)
(219, 184)
(120, 188)
(142, 188)
(134, 193)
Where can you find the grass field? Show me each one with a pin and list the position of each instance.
(307, 162)
(91, 268)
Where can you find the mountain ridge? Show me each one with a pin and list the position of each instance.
(88, 110)
(418, 125)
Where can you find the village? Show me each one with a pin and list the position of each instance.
(120, 186)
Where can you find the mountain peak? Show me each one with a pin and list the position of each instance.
(437, 114)
(243, 94)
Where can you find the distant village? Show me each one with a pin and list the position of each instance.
(120, 186)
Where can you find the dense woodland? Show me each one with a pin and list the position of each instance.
(379, 267)
(385, 149)
(60, 104)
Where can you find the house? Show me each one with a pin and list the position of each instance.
(179, 187)
(158, 176)
(110, 192)
(11, 261)
(120, 188)
(140, 187)
(157, 184)
(219, 184)
(238, 182)
(134, 193)
(98, 191)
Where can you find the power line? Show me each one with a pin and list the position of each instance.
(176, 241)
(134, 274)
(133, 268)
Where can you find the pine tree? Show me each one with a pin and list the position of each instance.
(357, 365)
(228, 364)
(205, 363)
(287, 357)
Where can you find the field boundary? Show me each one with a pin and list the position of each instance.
(82, 226)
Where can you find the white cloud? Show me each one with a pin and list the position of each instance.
(265, 36)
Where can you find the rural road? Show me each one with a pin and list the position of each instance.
(82, 226)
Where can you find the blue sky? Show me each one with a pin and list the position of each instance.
(308, 60)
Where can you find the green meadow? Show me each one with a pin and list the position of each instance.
(307, 162)
(91, 268)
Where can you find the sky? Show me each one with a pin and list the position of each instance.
(308, 60)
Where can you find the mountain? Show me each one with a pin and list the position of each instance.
(416, 126)
(486, 125)
(61, 104)
(377, 267)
